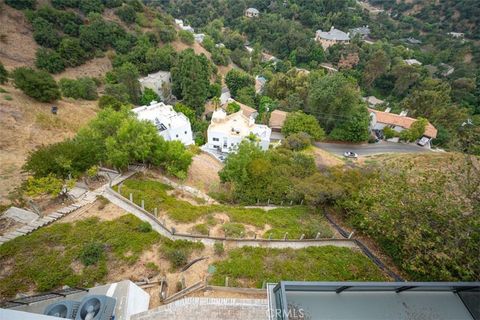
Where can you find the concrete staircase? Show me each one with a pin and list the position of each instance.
(208, 309)
(87, 198)
(43, 221)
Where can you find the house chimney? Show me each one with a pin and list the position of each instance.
(388, 110)
(403, 113)
(333, 27)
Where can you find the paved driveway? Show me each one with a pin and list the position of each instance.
(371, 148)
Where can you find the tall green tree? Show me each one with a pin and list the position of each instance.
(191, 79)
(300, 122)
(336, 102)
(128, 75)
(237, 79)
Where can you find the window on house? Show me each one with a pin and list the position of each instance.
(176, 135)
(185, 132)
(216, 139)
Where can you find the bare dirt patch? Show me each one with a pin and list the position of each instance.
(109, 212)
(324, 158)
(203, 173)
(18, 48)
(96, 67)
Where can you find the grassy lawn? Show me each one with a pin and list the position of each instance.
(294, 220)
(249, 266)
(78, 254)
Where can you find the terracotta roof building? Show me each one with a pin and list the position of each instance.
(382, 119)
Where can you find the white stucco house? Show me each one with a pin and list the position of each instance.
(160, 82)
(171, 125)
(226, 132)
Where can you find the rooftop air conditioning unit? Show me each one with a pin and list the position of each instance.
(66, 309)
(96, 307)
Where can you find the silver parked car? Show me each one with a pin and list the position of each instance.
(350, 154)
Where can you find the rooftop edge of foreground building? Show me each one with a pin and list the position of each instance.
(374, 300)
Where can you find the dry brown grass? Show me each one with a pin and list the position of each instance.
(17, 48)
(26, 124)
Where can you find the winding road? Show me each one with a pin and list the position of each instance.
(371, 148)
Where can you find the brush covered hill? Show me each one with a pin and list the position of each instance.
(78, 40)
(447, 15)
(423, 210)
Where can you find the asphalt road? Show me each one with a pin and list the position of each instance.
(371, 148)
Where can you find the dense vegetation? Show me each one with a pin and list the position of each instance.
(296, 220)
(252, 267)
(252, 175)
(423, 211)
(82, 253)
(44, 259)
(115, 138)
(427, 218)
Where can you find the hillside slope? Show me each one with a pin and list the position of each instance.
(447, 15)
(25, 123)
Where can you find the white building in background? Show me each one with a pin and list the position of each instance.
(160, 82)
(171, 125)
(226, 132)
(412, 62)
(252, 13)
(199, 37)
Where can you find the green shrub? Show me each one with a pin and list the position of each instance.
(91, 253)
(37, 84)
(167, 33)
(8, 98)
(148, 96)
(178, 258)
(126, 13)
(389, 133)
(186, 37)
(179, 251)
(22, 4)
(218, 248)
(234, 230)
(152, 266)
(145, 227)
(91, 6)
(72, 52)
(232, 107)
(49, 60)
(81, 88)
(109, 102)
(300, 122)
(45, 185)
(297, 141)
(416, 130)
(3, 74)
(45, 33)
(201, 229)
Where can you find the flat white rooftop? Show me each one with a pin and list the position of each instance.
(375, 300)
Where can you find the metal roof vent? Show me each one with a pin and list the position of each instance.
(66, 309)
(96, 307)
